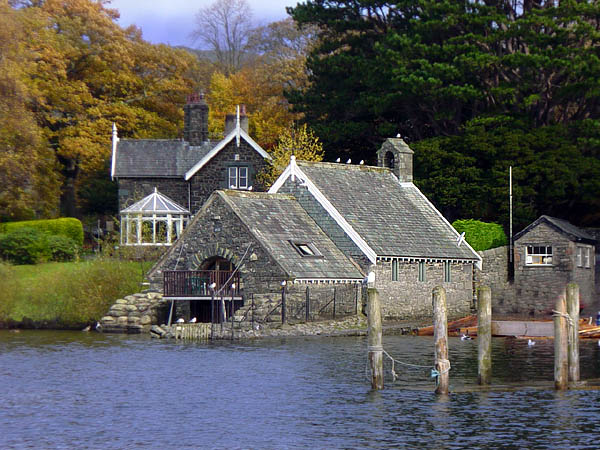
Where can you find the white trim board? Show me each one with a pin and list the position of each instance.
(233, 134)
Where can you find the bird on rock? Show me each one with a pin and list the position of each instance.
(338, 160)
(180, 320)
(530, 343)
(193, 320)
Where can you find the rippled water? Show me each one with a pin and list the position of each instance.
(68, 389)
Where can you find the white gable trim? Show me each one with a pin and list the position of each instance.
(294, 171)
(233, 134)
(411, 185)
(115, 140)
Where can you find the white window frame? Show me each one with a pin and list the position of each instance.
(586, 258)
(538, 255)
(237, 177)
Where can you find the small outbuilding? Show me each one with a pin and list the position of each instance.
(548, 254)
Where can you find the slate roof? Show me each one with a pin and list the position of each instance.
(395, 219)
(563, 226)
(156, 203)
(277, 219)
(157, 157)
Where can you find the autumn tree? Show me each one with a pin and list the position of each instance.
(298, 141)
(224, 27)
(89, 73)
(29, 184)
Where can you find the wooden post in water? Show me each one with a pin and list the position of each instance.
(484, 335)
(440, 337)
(561, 359)
(573, 311)
(375, 338)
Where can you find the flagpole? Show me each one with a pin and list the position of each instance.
(510, 197)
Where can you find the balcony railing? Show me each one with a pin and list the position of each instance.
(196, 283)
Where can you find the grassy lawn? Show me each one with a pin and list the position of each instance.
(66, 294)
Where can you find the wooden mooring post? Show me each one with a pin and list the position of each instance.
(573, 346)
(484, 335)
(561, 359)
(440, 337)
(375, 338)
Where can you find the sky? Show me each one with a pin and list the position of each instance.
(172, 21)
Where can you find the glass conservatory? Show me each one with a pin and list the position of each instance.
(154, 220)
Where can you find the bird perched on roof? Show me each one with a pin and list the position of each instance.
(338, 160)
(349, 161)
(180, 320)
(530, 343)
(193, 320)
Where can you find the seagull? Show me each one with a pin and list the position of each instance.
(530, 343)
(465, 337)
(180, 320)
(338, 160)
(250, 188)
(193, 320)
(398, 135)
(349, 161)
(362, 161)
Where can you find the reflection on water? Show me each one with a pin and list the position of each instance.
(69, 389)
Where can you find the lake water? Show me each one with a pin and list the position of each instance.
(88, 390)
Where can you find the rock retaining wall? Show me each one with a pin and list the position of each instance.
(135, 313)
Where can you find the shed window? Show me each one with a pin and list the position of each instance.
(538, 255)
(422, 271)
(394, 270)
(306, 249)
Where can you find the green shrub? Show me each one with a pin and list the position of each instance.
(481, 235)
(25, 246)
(66, 226)
(62, 248)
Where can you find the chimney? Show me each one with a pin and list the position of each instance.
(195, 120)
(231, 120)
(397, 156)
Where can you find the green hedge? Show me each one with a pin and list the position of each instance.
(481, 235)
(32, 246)
(66, 226)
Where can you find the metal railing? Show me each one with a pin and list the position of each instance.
(196, 283)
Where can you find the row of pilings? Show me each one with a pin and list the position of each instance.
(566, 338)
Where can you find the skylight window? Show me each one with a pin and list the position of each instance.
(306, 249)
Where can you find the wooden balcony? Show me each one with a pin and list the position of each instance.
(195, 284)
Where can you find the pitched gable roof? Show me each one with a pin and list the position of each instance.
(277, 221)
(234, 133)
(563, 226)
(393, 219)
(157, 157)
(156, 203)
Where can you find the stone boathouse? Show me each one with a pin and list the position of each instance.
(321, 225)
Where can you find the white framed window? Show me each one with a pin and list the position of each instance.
(579, 256)
(586, 257)
(538, 255)
(238, 177)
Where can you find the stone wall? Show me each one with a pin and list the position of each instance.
(494, 274)
(135, 313)
(132, 190)
(214, 174)
(409, 298)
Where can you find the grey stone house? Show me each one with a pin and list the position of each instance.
(188, 170)
(549, 253)
(323, 224)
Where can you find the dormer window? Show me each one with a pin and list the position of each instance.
(238, 177)
(306, 249)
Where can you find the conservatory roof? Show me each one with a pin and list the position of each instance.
(155, 203)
